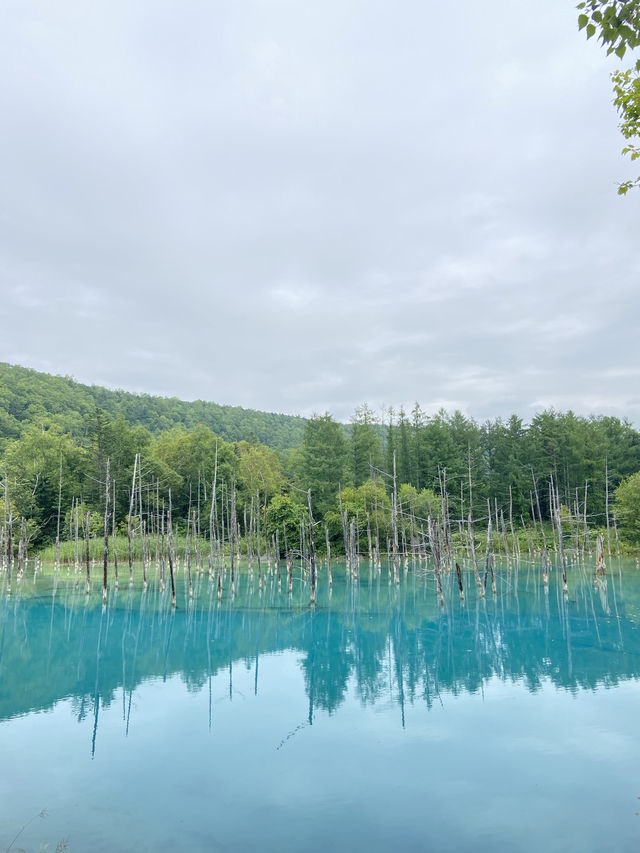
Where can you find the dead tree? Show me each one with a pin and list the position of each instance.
(107, 496)
(171, 553)
(87, 555)
(312, 553)
(129, 526)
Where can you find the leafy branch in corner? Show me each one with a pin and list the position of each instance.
(618, 24)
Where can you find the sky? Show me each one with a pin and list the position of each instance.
(303, 207)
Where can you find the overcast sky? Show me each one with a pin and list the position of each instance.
(299, 206)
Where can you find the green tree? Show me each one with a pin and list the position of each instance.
(369, 505)
(186, 459)
(284, 517)
(32, 467)
(507, 475)
(259, 470)
(627, 499)
(366, 452)
(119, 442)
(322, 460)
(403, 455)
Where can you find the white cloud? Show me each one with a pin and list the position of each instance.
(299, 207)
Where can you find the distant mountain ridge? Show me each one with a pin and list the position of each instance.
(28, 395)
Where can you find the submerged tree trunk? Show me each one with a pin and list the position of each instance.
(460, 587)
(9, 552)
(107, 496)
(113, 534)
(312, 553)
(170, 553)
(232, 533)
(57, 557)
(87, 555)
(129, 525)
(394, 524)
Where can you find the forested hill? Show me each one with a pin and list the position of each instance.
(27, 396)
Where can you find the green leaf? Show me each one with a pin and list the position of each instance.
(590, 30)
(583, 20)
(621, 50)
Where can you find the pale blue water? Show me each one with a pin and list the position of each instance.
(376, 721)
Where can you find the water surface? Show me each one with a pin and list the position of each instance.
(375, 720)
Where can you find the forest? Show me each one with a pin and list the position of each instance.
(62, 444)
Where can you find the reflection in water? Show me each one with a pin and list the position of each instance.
(387, 643)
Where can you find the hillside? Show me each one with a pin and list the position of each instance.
(27, 395)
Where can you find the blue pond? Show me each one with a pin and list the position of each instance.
(376, 720)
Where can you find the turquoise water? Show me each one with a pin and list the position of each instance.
(376, 720)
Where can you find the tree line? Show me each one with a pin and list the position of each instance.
(49, 473)
(28, 396)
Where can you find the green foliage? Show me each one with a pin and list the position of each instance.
(626, 88)
(32, 467)
(185, 461)
(369, 505)
(366, 453)
(618, 25)
(617, 22)
(627, 498)
(285, 517)
(27, 396)
(322, 460)
(259, 470)
(421, 504)
(498, 460)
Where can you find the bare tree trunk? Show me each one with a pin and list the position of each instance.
(434, 541)
(460, 587)
(232, 531)
(113, 534)
(22, 546)
(474, 556)
(514, 541)
(312, 553)
(353, 549)
(9, 551)
(394, 524)
(545, 556)
(606, 486)
(345, 532)
(171, 553)
(129, 525)
(77, 537)
(107, 496)
(87, 525)
(162, 548)
(585, 540)
(258, 543)
(288, 558)
(187, 555)
(558, 518)
(601, 568)
(212, 515)
(487, 555)
(57, 557)
(142, 527)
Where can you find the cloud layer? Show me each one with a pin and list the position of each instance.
(298, 208)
